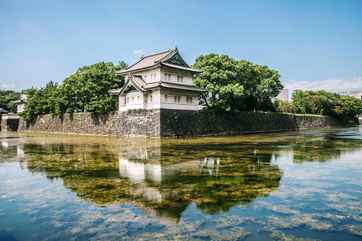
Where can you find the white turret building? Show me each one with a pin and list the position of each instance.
(159, 81)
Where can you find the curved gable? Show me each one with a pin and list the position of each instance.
(176, 59)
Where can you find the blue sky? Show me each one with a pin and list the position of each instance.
(307, 41)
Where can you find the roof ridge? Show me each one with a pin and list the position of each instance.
(162, 52)
(168, 56)
(151, 55)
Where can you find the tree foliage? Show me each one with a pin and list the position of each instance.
(85, 90)
(41, 101)
(326, 103)
(284, 106)
(236, 85)
(7, 99)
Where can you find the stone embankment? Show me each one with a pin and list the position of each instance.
(168, 123)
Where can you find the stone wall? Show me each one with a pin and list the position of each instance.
(203, 123)
(165, 122)
(9, 122)
(131, 123)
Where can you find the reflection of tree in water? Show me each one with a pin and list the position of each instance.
(164, 178)
(215, 178)
(229, 174)
(323, 149)
(7, 152)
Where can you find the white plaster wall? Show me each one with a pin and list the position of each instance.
(150, 76)
(20, 108)
(170, 102)
(180, 107)
(156, 75)
(145, 101)
(156, 100)
(121, 102)
(134, 100)
(187, 78)
(159, 101)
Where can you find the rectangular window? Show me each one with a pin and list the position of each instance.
(180, 79)
(167, 77)
(150, 98)
(177, 99)
(166, 98)
(189, 99)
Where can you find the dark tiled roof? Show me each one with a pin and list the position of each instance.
(170, 58)
(150, 60)
(3, 111)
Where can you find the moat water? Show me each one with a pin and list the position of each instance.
(288, 186)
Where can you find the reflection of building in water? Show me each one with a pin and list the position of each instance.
(150, 176)
(20, 152)
(163, 180)
(13, 147)
(211, 165)
(138, 170)
(5, 144)
(141, 162)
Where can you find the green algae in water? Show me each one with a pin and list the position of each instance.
(287, 186)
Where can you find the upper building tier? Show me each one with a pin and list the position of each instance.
(169, 58)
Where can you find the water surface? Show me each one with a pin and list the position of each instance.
(288, 186)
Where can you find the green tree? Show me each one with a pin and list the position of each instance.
(236, 85)
(348, 106)
(87, 89)
(7, 99)
(41, 101)
(284, 106)
(326, 103)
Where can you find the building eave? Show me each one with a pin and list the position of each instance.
(115, 91)
(180, 67)
(126, 71)
(181, 87)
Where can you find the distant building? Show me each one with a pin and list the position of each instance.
(357, 94)
(159, 81)
(20, 104)
(283, 95)
(9, 122)
(3, 111)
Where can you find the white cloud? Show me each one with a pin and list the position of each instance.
(8, 86)
(138, 53)
(333, 85)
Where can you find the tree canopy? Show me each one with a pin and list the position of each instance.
(7, 99)
(236, 85)
(326, 103)
(85, 90)
(321, 103)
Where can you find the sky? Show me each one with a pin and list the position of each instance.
(312, 43)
